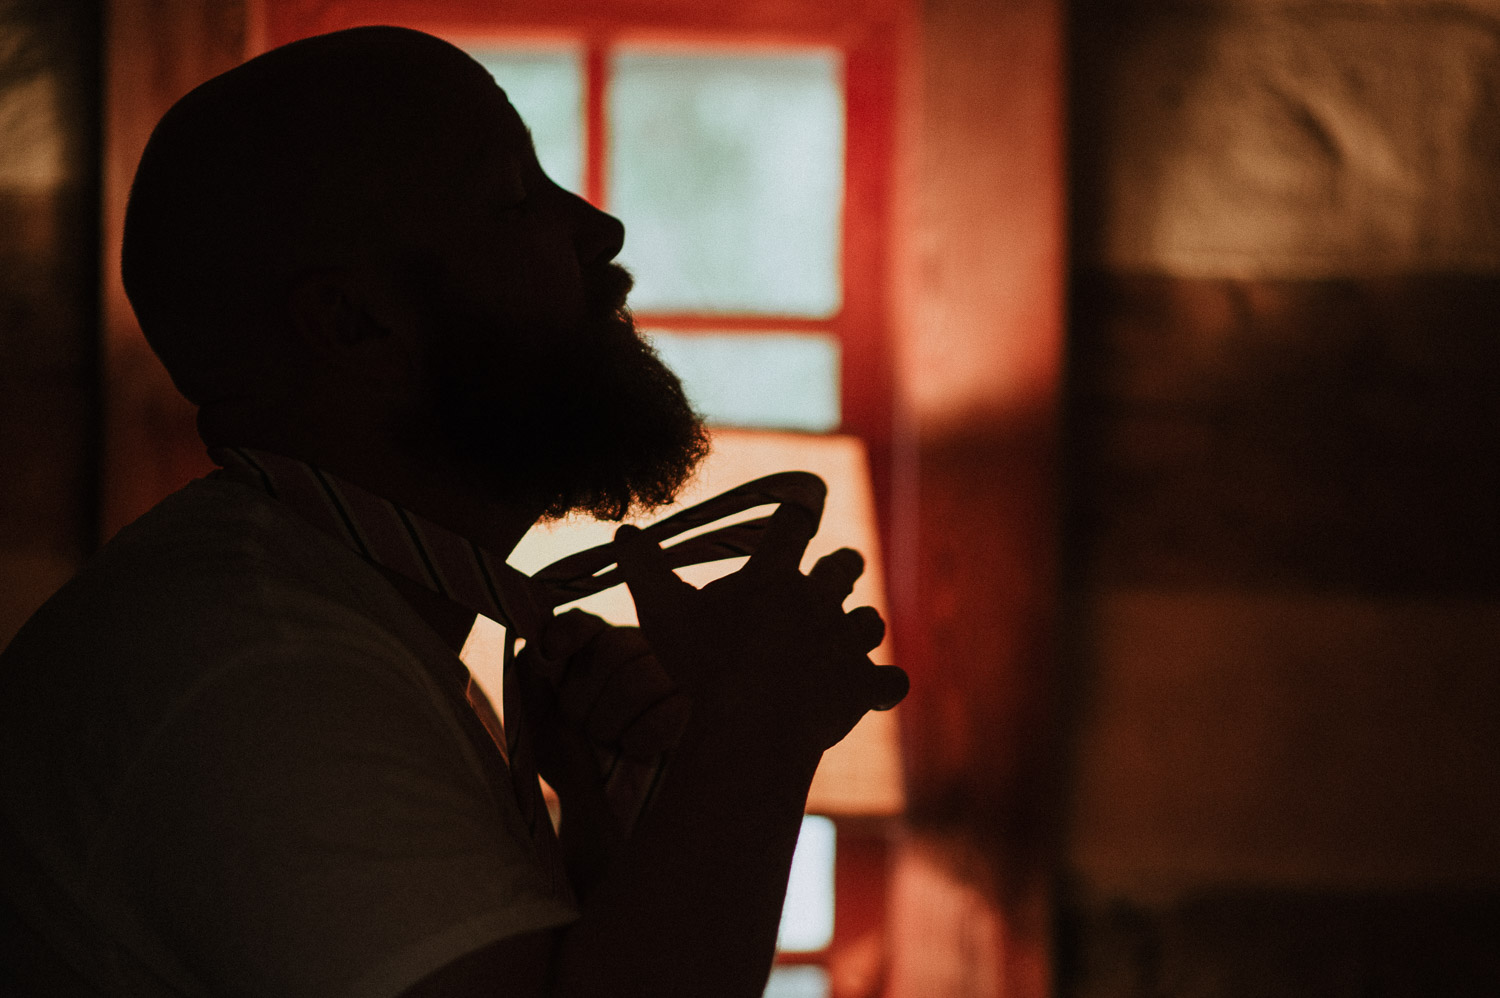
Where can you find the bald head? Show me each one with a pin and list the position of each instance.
(346, 250)
(343, 149)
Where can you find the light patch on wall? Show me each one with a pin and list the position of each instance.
(980, 259)
(31, 140)
(946, 933)
(1345, 142)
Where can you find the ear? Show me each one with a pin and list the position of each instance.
(345, 325)
(325, 311)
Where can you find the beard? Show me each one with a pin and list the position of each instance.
(589, 421)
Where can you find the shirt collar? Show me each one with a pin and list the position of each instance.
(392, 537)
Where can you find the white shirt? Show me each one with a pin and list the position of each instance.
(233, 774)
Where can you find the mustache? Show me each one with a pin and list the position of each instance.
(608, 289)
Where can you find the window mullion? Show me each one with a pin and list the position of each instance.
(596, 128)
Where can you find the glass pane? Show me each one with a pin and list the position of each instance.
(728, 171)
(807, 916)
(770, 381)
(545, 85)
(798, 982)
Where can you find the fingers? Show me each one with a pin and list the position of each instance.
(627, 703)
(658, 729)
(610, 687)
(563, 637)
(868, 627)
(785, 540)
(836, 573)
(645, 570)
(888, 686)
(615, 673)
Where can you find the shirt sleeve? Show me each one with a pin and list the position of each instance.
(309, 823)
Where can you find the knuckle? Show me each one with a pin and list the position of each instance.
(851, 557)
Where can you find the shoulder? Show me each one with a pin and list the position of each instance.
(216, 592)
(336, 814)
(211, 571)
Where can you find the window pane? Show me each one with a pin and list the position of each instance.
(797, 982)
(807, 916)
(770, 381)
(728, 171)
(545, 85)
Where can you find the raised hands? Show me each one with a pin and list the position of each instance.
(767, 651)
(602, 713)
(604, 683)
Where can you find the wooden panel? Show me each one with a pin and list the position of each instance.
(1286, 738)
(1281, 140)
(1330, 434)
(48, 309)
(981, 258)
(1247, 943)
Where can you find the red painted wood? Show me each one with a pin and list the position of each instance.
(758, 21)
(864, 325)
(858, 956)
(689, 322)
(596, 121)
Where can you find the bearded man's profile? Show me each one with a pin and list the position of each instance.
(240, 753)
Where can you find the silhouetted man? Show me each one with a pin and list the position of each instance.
(240, 755)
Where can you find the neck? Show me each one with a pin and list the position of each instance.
(409, 476)
(410, 473)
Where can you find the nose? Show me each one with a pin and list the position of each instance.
(599, 235)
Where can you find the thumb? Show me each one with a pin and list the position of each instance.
(566, 634)
(645, 570)
(888, 686)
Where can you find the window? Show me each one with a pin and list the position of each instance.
(747, 152)
(727, 168)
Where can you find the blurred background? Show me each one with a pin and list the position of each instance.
(1149, 350)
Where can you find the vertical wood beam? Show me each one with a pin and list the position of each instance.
(981, 264)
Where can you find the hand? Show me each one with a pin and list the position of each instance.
(768, 646)
(592, 691)
(608, 685)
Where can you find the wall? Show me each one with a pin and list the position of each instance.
(49, 57)
(1285, 457)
